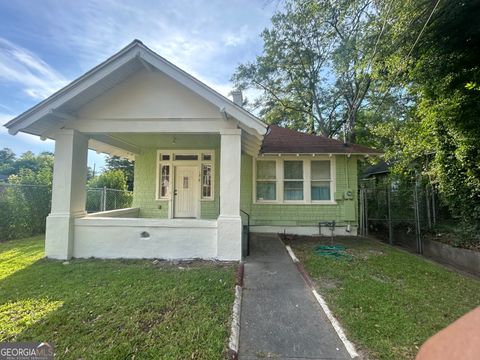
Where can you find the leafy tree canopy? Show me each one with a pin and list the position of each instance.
(111, 179)
(125, 165)
(435, 54)
(315, 72)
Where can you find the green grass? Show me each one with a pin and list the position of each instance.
(114, 309)
(388, 300)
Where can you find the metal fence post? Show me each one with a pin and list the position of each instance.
(360, 210)
(434, 210)
(428, 210)
(417, 217)
(389, 205)
(104, 205)
(366, 211)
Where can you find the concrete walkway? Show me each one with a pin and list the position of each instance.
(280, 317)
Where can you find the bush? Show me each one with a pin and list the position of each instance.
(112, 185)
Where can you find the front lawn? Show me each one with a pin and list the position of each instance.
(114, 309)
(389, 301)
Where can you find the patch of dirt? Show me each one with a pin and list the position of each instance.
(145, 324)
(327, 283)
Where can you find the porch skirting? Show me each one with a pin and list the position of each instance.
(137, 238)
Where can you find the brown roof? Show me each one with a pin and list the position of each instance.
(286, 141)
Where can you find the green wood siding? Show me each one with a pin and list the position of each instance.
(302, 214)
(261, 214)
(144, 186)
(145, 176)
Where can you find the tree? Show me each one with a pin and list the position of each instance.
(315, 72)
(435, 55)
(112, 179)
(115, 194)
(7, 158)
(25, 205)
(125, 165)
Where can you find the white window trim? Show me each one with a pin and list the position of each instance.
(255, 181)
(172, 163)
(307, 196)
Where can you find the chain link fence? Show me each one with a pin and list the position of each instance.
(397, 213)
(103, 199)
(24, 208)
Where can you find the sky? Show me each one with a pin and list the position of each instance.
(46, 44)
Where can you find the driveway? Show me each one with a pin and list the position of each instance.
(280, 318)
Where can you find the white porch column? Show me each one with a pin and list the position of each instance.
(68, 192)
(229, 238)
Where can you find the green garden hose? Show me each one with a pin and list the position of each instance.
(333, 251)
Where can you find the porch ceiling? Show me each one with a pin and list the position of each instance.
(127, 145)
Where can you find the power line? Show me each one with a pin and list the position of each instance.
(408, 55)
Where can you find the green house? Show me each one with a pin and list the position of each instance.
(204, 166)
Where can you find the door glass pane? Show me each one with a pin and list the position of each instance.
(206, 180)
(186, 157)
(293, 169)
(164, 180)
(266, 170)
(320, 170)
(320, 190)
(266, 190)
(293, 190)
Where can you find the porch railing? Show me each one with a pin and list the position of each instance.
(245, 234)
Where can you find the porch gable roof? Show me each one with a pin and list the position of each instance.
(57, 109)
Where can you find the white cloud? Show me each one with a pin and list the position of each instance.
(206, 38)
(21, 67)
(237, 38)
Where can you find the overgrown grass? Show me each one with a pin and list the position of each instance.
(389, 301)
(115, 309)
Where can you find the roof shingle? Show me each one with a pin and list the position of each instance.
(287, 141)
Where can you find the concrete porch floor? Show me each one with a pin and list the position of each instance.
(280, 318)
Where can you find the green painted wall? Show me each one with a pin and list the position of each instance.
(145, 174)
(261, 214)
(144, 186)
(302, 215)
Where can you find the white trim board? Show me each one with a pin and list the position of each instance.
(306, 180)
(172, 163)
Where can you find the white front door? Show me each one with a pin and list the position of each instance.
(186, 192)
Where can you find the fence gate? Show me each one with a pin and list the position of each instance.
(397, 213)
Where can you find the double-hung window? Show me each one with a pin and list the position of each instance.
(321, 179)
(293, 180)
(266, 180)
